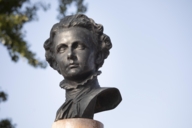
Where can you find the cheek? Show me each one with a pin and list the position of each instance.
(91, 61)
(92, 58)
(61, 61)
(61, 57)
(86, 57)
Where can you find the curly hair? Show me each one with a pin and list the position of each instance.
(101, 41)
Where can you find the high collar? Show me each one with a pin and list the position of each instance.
(66, 84)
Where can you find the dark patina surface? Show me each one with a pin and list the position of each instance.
(77, 48)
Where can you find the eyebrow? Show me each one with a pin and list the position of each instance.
(80, 42)
(59, 46)
(75, 41)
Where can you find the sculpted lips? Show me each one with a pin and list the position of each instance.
(70, 66)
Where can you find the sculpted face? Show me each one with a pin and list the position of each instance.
(74, 53)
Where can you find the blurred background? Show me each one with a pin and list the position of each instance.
(150, 62)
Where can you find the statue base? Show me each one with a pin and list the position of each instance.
(77, 123)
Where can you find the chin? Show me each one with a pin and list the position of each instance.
(72, 73)
(77, 73)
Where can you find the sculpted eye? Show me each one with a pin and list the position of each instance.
(61, 48)
(79, 46)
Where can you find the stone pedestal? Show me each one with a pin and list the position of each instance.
(77, 123)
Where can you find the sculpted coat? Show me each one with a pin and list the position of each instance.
(77, 48)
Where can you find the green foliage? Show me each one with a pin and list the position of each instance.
(6, 123)
(3, 96)
(13, 15)
(64, 6)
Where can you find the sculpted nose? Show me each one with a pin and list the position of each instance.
(70, 54)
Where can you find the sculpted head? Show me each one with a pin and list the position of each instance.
(77, 47)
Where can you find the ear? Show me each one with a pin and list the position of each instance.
(55, 66)
(99, 58)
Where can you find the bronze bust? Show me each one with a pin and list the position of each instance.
(77, 48)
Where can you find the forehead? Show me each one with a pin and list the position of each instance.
(69, 35)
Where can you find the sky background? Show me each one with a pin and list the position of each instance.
(150, 63)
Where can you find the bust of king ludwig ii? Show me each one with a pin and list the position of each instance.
(77, 48)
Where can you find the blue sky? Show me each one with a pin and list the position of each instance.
(150, 63)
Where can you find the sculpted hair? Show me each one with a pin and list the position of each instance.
(101, 41)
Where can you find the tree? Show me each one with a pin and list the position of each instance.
(5, 123)
(14, 14)
(64, 6)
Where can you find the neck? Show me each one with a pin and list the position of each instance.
(71, 84)
(75, 93)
